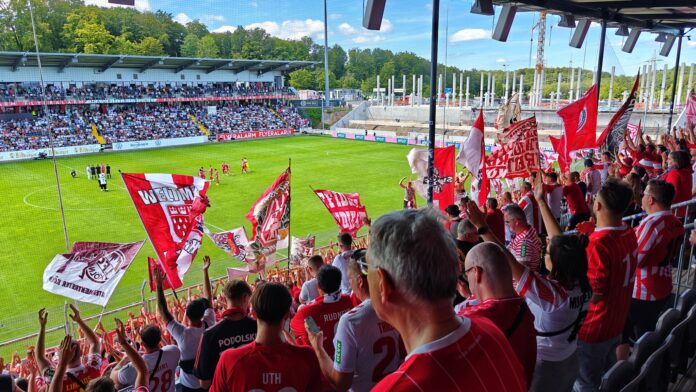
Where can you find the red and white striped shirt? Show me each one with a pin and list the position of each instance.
(658, 235)
(475, 357)
(526, 247)
(612, 259)
(531, 210)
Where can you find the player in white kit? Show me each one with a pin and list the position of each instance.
(367, 348)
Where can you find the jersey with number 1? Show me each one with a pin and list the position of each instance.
(366, 346)
(612, 258)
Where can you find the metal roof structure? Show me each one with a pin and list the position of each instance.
(61, 61)
(659, 16)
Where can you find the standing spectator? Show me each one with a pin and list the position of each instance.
(453, 219)
(358, 335)
(412, 275)
(579, 212)
(161, 363)
(495, 219)
(268, 363)
(345, 242)
(409, 194)
(79, 370)
(325, 310)
(200, 316)
(525, 246)
(554, 194)
(592, 177)
(611, 257)
(530, 207)
(659, 237)
(489, 279)
(310, 288)
(679, 175)
(235, 329)
(605, 163)
(467, 237)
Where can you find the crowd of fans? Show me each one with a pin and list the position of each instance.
(151, 122)
(240, 118)
(31, 133)
(495, 297)
(11, 92)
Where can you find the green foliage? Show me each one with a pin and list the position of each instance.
(207, 47)
(190, 46)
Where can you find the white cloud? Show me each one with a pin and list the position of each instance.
(362, 35)
(213, 18)
(691, 44)
(500, 60)
(182, 18)
(470, 35)
(140, 5)
(287, 29)
(335, 16)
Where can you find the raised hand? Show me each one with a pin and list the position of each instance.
(539, 193)
(43, 317)
(475, 215)
(206, 262)
(75, 316)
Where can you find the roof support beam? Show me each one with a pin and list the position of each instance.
(186, 65)
(246, 67)
(218, 66)
(20, 60)
(111, 63)
(66, 63)
(151, 64)
(643, 4)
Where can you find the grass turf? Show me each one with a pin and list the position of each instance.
(33, 232)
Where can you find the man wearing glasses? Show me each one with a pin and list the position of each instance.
(525, 245)
(412, 277)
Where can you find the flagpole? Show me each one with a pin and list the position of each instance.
(289, 213)
(433, 101)
(674, 84)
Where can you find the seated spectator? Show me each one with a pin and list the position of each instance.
(412, 275)
(268, 362)
(325, 310)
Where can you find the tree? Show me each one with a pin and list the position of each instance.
(85, 33)
(348, 81)
(208, 48)
(302, 79)
(190, 46)
(149, 46)
(197, 28)
(337, 61)
(251, 50)
(122, 45)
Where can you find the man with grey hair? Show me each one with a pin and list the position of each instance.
(467, 236)
(489, 277)
(525, 245)
(412, 277)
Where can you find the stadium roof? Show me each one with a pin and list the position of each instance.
(663, 16)
(14, 60)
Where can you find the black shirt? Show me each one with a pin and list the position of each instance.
(225, 334)
(466, 246)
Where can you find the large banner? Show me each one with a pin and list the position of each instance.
(246, 135)
(270, 217)
(171, 208)
(302, 250)
(60, 151)
(143, 100)
(522, 148)
(140, 144)
(443, 174)
(91, 272)
(345, 209)
(233, 242)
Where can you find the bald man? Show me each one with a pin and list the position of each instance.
(489, 279)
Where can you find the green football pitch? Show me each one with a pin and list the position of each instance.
(33, 233)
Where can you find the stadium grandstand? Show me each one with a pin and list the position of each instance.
(107, 99)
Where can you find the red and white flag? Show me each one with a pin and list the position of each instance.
(688, 115)
(91, 271)
(522, 148)
(270, 216)
(233, 242)
(472, 152)
(171, 208)
(302, 250)
(496, 164)
(580, 121)
(345, 209)
(612, 136)
(633, 130)
(443, 174)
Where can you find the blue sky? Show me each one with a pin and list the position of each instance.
(406, 27)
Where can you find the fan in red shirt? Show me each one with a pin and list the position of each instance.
(412, 277)
(611, 257)
(495, 218)
(268, 363)
(679, 175)
(325, 310)
(579, 212)
(490, 281)
(659, 238)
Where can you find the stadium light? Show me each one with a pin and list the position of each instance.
(667, 46)
(372, 17)
(580, 33)
(567, 20)
(502, 27)
(631, 40)
(482, 7)
(622, 31)
(662, 37)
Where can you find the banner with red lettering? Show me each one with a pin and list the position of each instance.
(91, 271)
(171, 207)
(345, 209)
(270, 217)
(247, 135)
(522, 148)
(496, 164)
(233, 242)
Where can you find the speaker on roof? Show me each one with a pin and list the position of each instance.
(580, 33)
(622, 31)
(567, 20)
(667, 46)
(372, 19)
(482, 7)
(631, 40)
(502, 27)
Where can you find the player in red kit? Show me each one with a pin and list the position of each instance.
(325, 310)
(225, 168)
(210, 173)
(612, 259)
(201, 173)
(217, 177)
(268, 364)
(412, 277)
(245, 166)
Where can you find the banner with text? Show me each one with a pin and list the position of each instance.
(179, 141)
(345, 208)
(247, 135)
(60, 151)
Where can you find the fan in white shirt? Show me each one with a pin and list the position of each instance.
(310, 288)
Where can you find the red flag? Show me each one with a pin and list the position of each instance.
(171, 208)
(560, 148)
(233, 242)
(270, 216)
(152, 265)
(612, 135)
(472, 154)
(345, 209)
(443, 177)
(580, 121)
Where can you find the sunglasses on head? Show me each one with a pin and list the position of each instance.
(359, 257)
